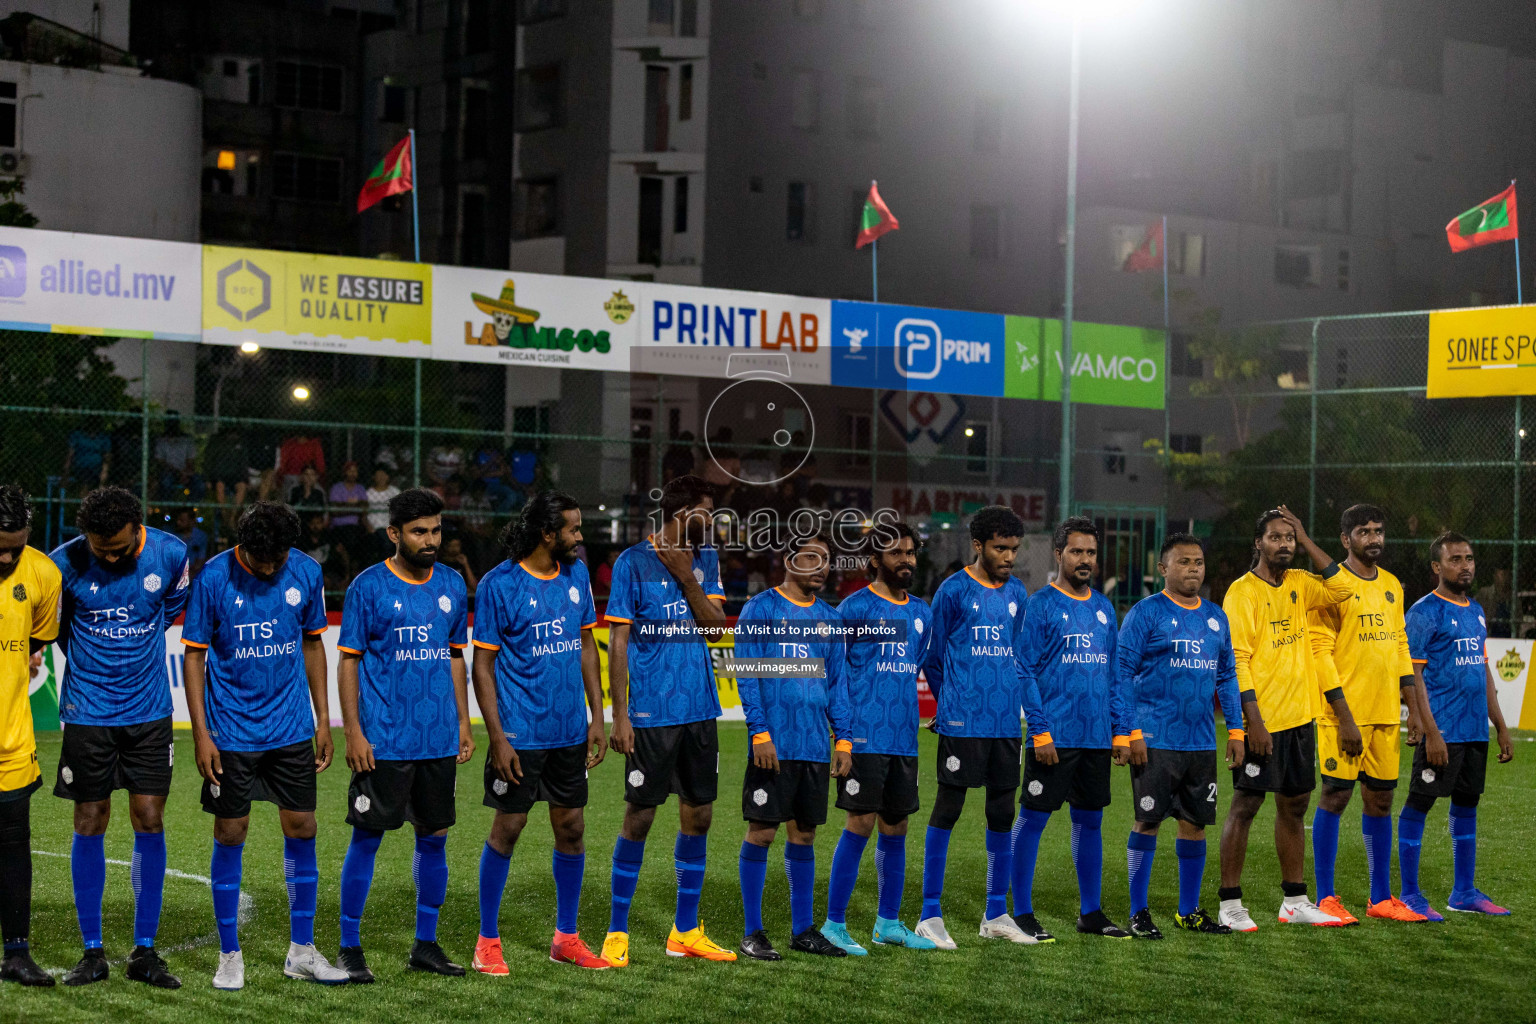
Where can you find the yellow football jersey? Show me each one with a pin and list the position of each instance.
(1362, 646)
(29, 609)
(1269, 639)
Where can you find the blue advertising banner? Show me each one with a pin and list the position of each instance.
(915, 349)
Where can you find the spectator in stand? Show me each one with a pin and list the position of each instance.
(445, 461)
(184, 525)
(88, 458)
(476, 520)
(604, 579)
(227, 466)
(454, 557)
(176, 460)
(378, 511)
(348, 500)
(293, 454)
(491, 467)
(308, 493)
(397, 458)
(127, 457)
(678, 461)
(850, 584)
(320, 544)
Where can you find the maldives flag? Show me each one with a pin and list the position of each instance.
(876, 220)
(1149, 254)
(393, 175)
(1492, 221)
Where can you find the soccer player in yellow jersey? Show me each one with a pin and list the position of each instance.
(29, 621)
(1267, 608)
(1361, 646)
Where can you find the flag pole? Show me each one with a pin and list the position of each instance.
(1519, 299)
(415, 204)
(874, 264)
(1167, 362)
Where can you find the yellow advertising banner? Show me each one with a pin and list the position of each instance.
(319, 303)
(1478, 353)
(730, 698)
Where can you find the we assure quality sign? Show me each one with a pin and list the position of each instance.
(1476, 353)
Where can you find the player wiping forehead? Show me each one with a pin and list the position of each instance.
(255, 676)
(888, 637)
(1361, 646)
(536, 678)
(1448, 639)
(1175, 655)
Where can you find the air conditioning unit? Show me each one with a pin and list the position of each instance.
(13, 163)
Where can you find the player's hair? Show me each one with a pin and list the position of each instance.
(1259, 526)
(682, 492)
(887, 535)
(15, 509)
(1071, 525)
(1359, 515)
(1437, 546)
(1174, 540)
(798, 541)
(544, 513)
(266, 530)
(411, 505)
(995, 521)
(106, 510)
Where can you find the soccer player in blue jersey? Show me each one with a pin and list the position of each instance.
(405, 707)
(123, 586)
(1175, 660)
(969, 664)
(1077, 714)
(536, 678)
(788, 719)
(664, 605)
(886, 631)
(261, 723)
(1447, 639)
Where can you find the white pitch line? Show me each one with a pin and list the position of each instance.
(246, 912)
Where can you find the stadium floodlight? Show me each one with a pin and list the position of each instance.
(249, 348)
(300, 393)
(970, 431)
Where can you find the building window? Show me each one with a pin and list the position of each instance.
(475, 122)
(231, 172)
(392, 103)
(987, 129)
(659, 19)
(538, 98)
(680, 205)
(1299, 266)
(472, 220)
(307, 86)
(1185, 444)
(1114, 460)
(685, 93)
(657, 111)
(8, 114)
(987, 232)
(478, 30)
(804, 99)
(1180, 362)
(688, 18)
(1186, 254)
(864, 100)
(308, 178)
(649, 227)
(530, 11)
(538, 207)
(858, 440)
(978, 433)
(800, 212)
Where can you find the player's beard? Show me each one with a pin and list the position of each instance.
(421, 558)
(900, 579)
(564, 554)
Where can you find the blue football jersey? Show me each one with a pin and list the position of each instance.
(1175, 662)
(112, 624)
(886, 644)
(534, 623)
(969, 663)
(1450, 640)
(671, 679)
(1067, 668)
(405, 633)
(257, 695)
(794, 711)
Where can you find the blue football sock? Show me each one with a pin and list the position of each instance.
(1464, 846)
(845, 874)
(999, 872)
(627, 856)
(935, 859)
(568, 869)
(1325, 850)
(1378, 854)
(1140, 849)
(148, 885)
(752, 866)
(356, 878)
(800, 866)
(493, 882)
(1088, 856)
(88, 872)
(429, 866)
(1027, 830)
(303, 876)
(1410, 835)
(688, 858)
(224, 873)
(890, 875)
(1191, 854)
